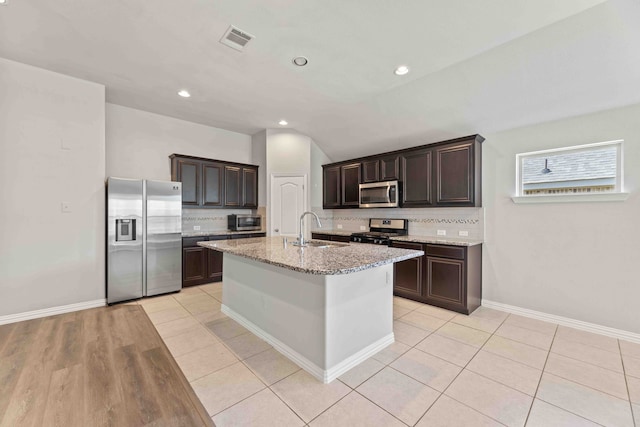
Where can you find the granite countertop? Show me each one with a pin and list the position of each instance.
(217, 233)
(340, 259)
(455, 241)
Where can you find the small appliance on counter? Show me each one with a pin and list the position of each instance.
(381, 230)
(237, 222)
(144, 238)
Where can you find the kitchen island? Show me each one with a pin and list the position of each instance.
(325, 308)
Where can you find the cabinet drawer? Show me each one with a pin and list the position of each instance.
(320, 236)
(219, 237)
(408, 245)
(192, 242)
(444, 251)
(247, 235)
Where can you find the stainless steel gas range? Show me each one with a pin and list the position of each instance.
(381, 230)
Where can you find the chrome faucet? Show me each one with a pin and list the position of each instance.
(301, 241)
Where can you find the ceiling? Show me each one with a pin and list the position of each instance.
(476, 67)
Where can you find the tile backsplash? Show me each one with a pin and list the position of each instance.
(209, 219)
(422, 221)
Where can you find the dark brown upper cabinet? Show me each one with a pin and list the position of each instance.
(188, 172)
(390, 168)
(232, 188)
(331, 187)
(457, 174)
(351, 178)
(381, 168)
(249, 187)
(416, 178)
(371, 170)
(212, 184)
(441, 174)
(208, 183)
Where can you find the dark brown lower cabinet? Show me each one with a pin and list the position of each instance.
(331, 237)
(445, 283)
(194, 266)
(201, 265)
(408, 275)
(214, 266)
(446, 276)
(320, 236)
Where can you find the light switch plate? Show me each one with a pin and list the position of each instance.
(363, 228)
(463, 233)
(65, 207)
(442, 232)
(196, 227)
(339, 226)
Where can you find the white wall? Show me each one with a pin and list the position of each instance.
(139, 143)
(287, 152)
(52, 145)
(318, 158)
(578, 260)
(259, 157)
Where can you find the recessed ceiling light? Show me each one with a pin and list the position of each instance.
(401, 70)
(3, 2)
(283, 122)
(300, 61)
(183, 93)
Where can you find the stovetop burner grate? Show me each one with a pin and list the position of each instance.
(378, 234)
(381, 230)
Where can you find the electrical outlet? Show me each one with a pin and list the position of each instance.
(442, 232)
(65, 207)
(363, 228)
(196, 227)
(463, 233)
(339, 226)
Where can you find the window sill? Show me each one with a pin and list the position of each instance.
(572, 198)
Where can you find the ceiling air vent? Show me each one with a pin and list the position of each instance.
(236, 38)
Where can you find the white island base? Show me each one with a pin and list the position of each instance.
(326, 324)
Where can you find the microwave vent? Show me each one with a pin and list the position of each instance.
(235, 38)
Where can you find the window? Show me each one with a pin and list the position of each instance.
(570, 171)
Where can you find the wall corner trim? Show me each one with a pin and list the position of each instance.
(52, 311)
(564, 321)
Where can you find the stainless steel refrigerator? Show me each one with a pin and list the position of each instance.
(144, 238)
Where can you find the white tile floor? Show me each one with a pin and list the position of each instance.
(444, 369)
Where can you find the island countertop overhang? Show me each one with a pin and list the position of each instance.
(344, 259)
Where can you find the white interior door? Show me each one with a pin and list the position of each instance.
(287, 204)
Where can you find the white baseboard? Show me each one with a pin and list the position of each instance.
(564, 321)
(35, 314)
(324, 375)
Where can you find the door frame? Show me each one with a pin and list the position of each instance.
(305, 194)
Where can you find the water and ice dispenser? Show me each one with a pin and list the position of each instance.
(125, 230)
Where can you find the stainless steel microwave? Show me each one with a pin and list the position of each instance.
(244, 222)
(380, 195)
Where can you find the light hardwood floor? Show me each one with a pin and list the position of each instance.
(100, 367)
